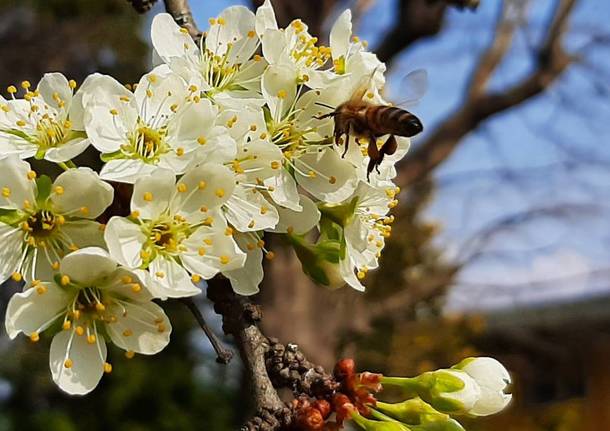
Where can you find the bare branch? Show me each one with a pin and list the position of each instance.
(180, 10)
(552, 61)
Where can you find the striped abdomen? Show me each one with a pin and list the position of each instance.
(393, 121)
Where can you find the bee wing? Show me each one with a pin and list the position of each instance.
(413, 86)
(364, 85)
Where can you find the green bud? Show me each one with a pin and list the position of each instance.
(441, 425)
(448, 391)
(372, 425)
(319, 261)
(339, 213)
(414, 411)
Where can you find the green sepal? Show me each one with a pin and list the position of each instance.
(43, 186)
(111, 156)
(414, 411)
(319, 260)
(339, 213)
(11, 217)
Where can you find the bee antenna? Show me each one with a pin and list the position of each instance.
(325, 105)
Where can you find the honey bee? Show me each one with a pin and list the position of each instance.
(362, 119)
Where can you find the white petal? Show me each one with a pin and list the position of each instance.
(334, 178)
(279, 88)
(85, 233)
(208, 185)
(340, 34)
(159, 93)
(248, 210)
(260, 160)
(142, 328)
(245, 281)
(67, 151)
(87, 362)
(124, 240)
(168, 40)
(298, 222)
(77, 109)
(274, 45)
(193, 121)
(346, 268)
(55, 84)
(15, 183)
(29, 311)
(88, 266)
(152, 193)
(85, 194)
(10, 254)
(170, 279)
(121, 284)
(221, 252)
(285, 191)
(239, 20)
(265, 18)
(125, 170)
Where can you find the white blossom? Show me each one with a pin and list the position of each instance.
(46, 123)
(42, 221)
(176, 231)
(93, 299)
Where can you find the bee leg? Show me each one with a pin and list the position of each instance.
(346, 140)
(369, 169)
(374, 154)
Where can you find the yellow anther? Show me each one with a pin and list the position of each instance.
(114, 112)
(257, 57)
(67, 124)
(195, 278)
(264, 210)
(41, 289)
(251, 34)
(201, 140)
(16, 276)
(25, 85)
(124, 99)
(72, 84)
(253, 127)
(332, 179)
(282, 94)
(219, 192)
(260, 243)
(66, 325)
(208, 221)
(68, 363)
(212, 21)
(100, 307)
(201, 251)
(21, 123)
(203, 209)
(6, 108)
(61, 220)
(84, 210)
(270, 255)
(181, 188)
(135, 214)
(79, 329)
(355, 39)
(11, 89)
(127, 333)
(130, 354)
(91, 339)
(193, 88)
(34, 337)
(275, 164)
(148, 197)
(311, 174)
(251, 224)
(135, 287)
(229, 231)
(224, 259)
(77, 316)
(149, 93)
(126, 279)
(152, 78)
(263, 135)
(107, 368)
(180, 151)
(55, 266)
(360, 275)
(221, 21)
(73, 247)
(6, 192)
(59, 190)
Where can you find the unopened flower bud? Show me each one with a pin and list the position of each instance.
(493, 380)
(448, 391)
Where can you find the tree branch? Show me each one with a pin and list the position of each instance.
(552, 60)
(180, 10)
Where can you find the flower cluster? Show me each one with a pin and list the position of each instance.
(222, 142)
(474, 387)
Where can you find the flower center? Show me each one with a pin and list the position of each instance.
(51, 133)
(40, 227)
(165, 236)
(215, 70)
(87, 300)
(146, 144)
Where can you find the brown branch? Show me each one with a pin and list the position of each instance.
(552, 60)
(180, 10)
(240, 319)
(503, 36)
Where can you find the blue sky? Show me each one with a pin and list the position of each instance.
(530, 144)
